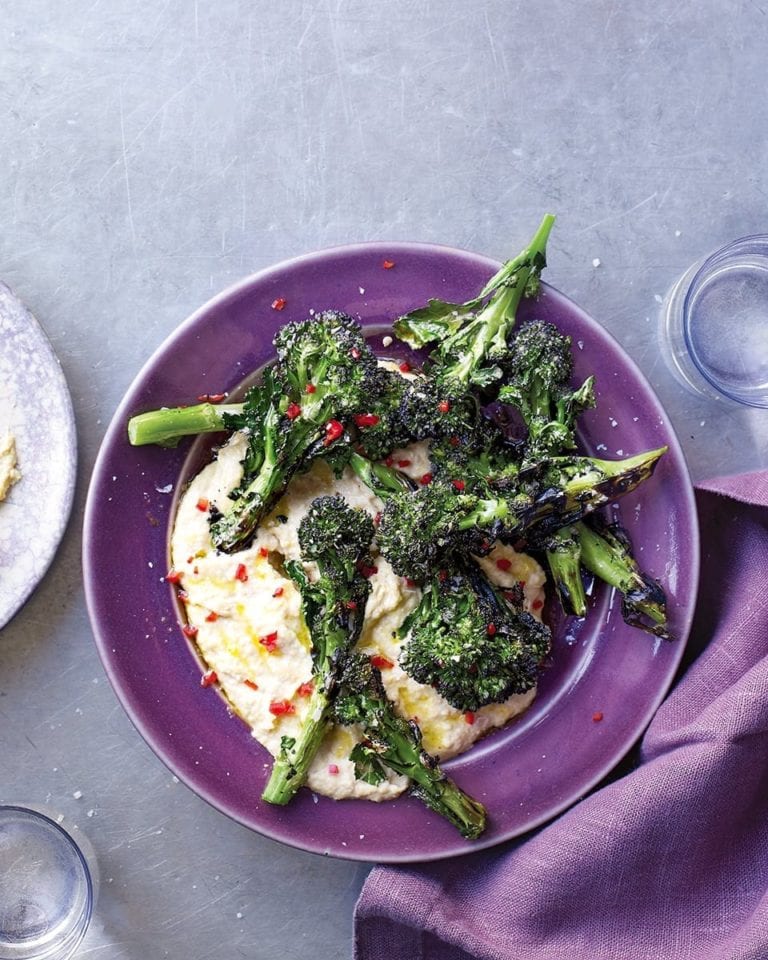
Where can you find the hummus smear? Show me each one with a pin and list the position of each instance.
(9, 474)
(245, 616)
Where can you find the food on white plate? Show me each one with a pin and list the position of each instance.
(9, 472)
(443, 598)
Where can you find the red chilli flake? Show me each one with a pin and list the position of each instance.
(442, 575)
(189, 630)
(503, 564)
(212, 617)
(292, 411)
(279, 592)
(279, 708)
(306, 689)
(459, 484)
(355, 353)
(426, 479)
(381, 662)
(173, 576)
(211, 397)
(366, 419)
(597, 716)
(183, 596)
(537, 605)
(203, 504)
(388, 264)
(350, 604)
(469, 717)
(367, 571)
(263, 552)
(454, 441)
(269, 642)
(310, 388)
(279, 303)
(208, 679)
(404, 367)
(333, 769)
(389, 461)
(333, 430)
(444, 406)
(251, 684)
(491, 629)
(403, 463)
(410, 583)
(241, 573)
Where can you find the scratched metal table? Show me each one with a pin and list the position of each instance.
(154, 153)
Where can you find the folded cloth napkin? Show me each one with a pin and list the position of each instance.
(666, 862)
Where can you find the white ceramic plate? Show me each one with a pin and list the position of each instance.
(36, 408)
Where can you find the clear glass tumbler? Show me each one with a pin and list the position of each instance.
(46, 887)
(715, 324)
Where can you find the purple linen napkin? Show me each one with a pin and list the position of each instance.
(669, 861)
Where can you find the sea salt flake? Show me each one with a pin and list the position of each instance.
(596, 262)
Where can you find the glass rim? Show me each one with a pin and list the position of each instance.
(699, 276)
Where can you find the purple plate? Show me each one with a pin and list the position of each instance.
(525, 774)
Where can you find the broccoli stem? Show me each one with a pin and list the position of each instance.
(492, 325)
(380, 479)
(167, 425)
(564, 561)
(578, 485)
(609, 558)
(291, 766)
(400, 748)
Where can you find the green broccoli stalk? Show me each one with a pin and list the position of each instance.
(470, 644)
(337, 538)
(563, 555)
(166, 426)
(471, 338)
(539, 367)
(607, 553)
(572, 487)
(391, 741)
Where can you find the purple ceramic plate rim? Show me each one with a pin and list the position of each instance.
(526, 774)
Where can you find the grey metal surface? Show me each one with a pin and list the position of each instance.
(153, 153)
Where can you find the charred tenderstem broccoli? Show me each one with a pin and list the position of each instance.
(607, 553)
(337, 538)
(394, 742)
(471, 338)
(563, 556)
(572, 487)
(470, 644)
(419, 532)
(538, 371)
(325, 373)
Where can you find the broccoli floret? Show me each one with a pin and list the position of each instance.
(322, 377)
(471, 338)
(538, 368)
(391, 741)
(380, 427)
(467, 642)
(433, 410)
(419, 532)
(337, 538)
(606, 551)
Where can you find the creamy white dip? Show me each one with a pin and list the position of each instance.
(250, 632)
(9, 473)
